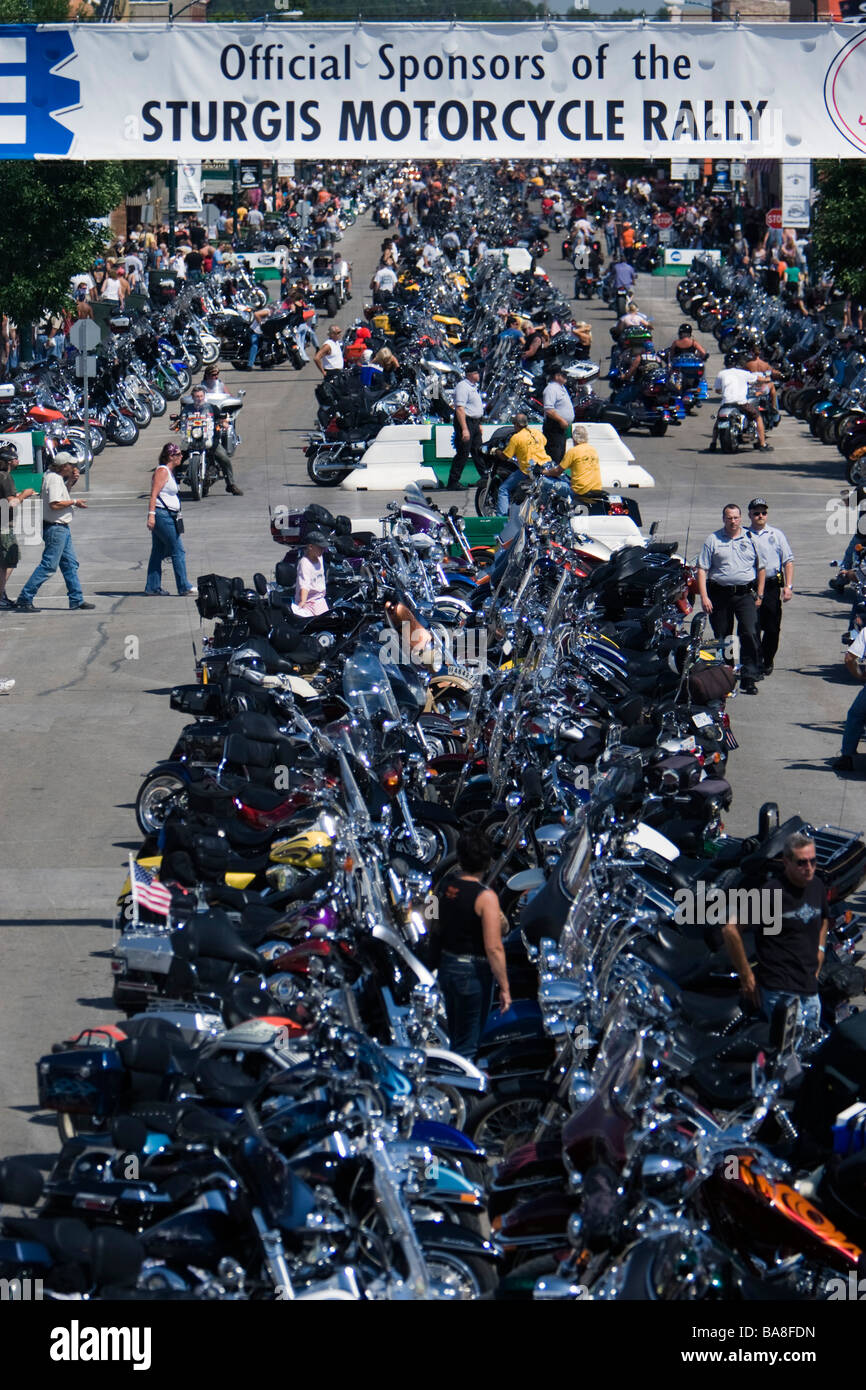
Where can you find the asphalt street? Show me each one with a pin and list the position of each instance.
(89, 715)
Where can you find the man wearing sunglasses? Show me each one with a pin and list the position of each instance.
(778, 559)
(790, 947)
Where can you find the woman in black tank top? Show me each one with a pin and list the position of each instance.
(470, 931)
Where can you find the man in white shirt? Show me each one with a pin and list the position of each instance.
(468, 412)
(734, 384)
(255, 218)
(855, 721)
(558, 413)
(383, 284)
(58, 551)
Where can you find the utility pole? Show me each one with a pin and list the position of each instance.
(172, 206)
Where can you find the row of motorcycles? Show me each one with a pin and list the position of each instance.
(821, 365)
(145, 364)
(278, 1113)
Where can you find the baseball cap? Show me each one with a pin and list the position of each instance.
(317, 538)
(64, 457)
(758, 502)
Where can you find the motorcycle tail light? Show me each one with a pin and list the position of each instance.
(617, 509)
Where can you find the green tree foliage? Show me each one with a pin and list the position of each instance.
(47, 232)
(839, 236)
(28, 12)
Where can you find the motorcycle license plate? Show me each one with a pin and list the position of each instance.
(701, 720)
(612, 497)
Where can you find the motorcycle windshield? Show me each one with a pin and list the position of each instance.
(366, 687)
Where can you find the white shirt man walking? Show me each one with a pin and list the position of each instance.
(58, 551)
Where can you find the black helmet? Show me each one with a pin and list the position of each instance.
(685, 330)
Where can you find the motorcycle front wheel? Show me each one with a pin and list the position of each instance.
(436, 843)
(171, 388)
(486, 496)
(210, 353)
(184, 378)
(158, 404)
(857, 471)
(121, 429)
(195, 467)
(141, 411)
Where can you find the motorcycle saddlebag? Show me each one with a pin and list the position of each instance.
(195, 699)
(214, 595)
(708, 683)
(80, 1080)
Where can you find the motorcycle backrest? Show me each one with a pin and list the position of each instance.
(260, 584)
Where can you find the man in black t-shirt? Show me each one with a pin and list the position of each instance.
(790, 945)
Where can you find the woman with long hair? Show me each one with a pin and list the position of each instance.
(165, 523)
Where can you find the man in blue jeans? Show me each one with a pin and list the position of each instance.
(58, 552)
(790, 941)
(855, 722)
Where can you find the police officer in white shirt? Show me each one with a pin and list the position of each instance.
(778, 560)
(855, 722)
(558, 413)
(468, 410)
(731, 577)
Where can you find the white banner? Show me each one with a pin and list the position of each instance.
(796, 190)
(189, 185)
(454, 91)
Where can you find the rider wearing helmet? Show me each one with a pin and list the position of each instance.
(685, 342)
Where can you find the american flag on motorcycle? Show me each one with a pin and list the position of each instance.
(146, 892)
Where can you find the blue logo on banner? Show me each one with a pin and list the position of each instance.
(30, 91)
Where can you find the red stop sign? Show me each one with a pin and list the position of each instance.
(663, 219)
(774, 218)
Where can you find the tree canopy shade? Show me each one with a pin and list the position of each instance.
(46, 231)
(839, 236)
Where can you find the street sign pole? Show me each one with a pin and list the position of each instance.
(88, 452)
(85, 335)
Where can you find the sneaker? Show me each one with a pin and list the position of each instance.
(189, 593)
(156, 593)
(77, 607)
(764, 448)
(6, 686)
(6, 604)
(844, 763)
(748, 687)
(25, 606)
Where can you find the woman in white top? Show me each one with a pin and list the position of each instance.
(310, 598)
(166, 527)
(329, 358)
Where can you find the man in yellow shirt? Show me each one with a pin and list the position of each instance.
(526, 446)
(581, 461)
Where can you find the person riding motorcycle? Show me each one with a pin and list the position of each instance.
(755, 363)
(632, 318)
(735, 383)
(685, 342)
(198, 404)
